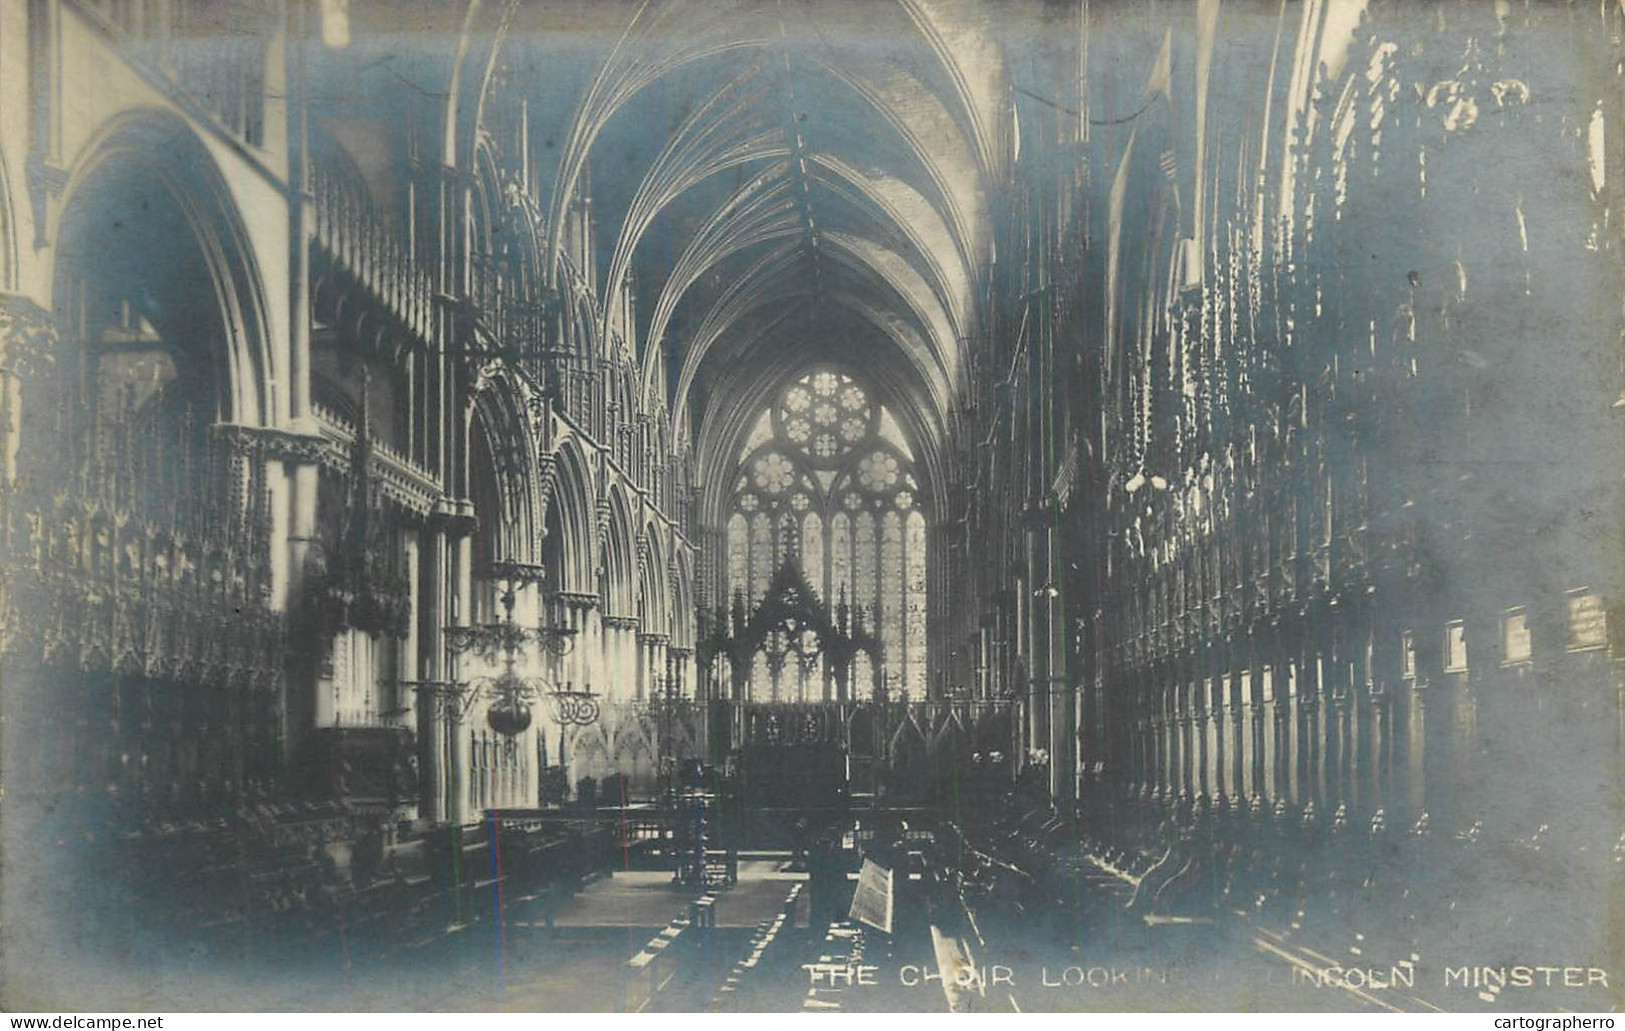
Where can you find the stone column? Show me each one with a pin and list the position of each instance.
(643, 673)
(1201, 736)
(1338, 688)
(1256, 722)
(408, 675)
(609, 672)
(1033, 636)
(1380, 744)
(660, 647)
(1244, 722)
(28, 344)
(576, 669)
(682, 667)
(627, 639)
(1362, 737)
(575, 617)
(460, 541)
(1217, 713)
(1194, 744)
(1430, 701)
(626, 660)
(1168, 767)
(591, 667)
(620, 657)
(1309, 725)
(1242, 750)
(1153, 759)
(294, 521)
(300, 470)
(649, 674)
(432, 708)
(1061, 685)
(1483, 648)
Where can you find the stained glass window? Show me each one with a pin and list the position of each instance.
(914, 652)
(826, 479)
(878, 472)
(738, 552)
(774, 473)
(863, 564)
(891, 596)
(862, 678)
(826, 413)
(840, 559)
(812, 552)
(761, 678)
(761, 556)
(789, 540)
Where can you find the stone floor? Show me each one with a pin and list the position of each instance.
(578, 961)
(649, 899)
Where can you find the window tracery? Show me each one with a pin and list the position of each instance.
(826, 477)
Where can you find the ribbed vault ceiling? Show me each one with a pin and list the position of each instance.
(782, 181)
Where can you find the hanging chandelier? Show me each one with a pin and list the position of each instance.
(510, 695)
(505, 639)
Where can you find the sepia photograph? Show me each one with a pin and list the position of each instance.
(819, 506)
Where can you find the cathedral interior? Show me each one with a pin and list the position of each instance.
(940, 505)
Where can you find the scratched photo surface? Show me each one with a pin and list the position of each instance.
(775, 505)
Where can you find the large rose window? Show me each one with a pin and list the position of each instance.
(825, 414)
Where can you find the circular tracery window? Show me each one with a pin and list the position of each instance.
(773, 473)
(878, 471)
(825, 419)
(826, 413)
(826, 477)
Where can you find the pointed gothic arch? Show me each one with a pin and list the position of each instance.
(571, 547)
(618, 568)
